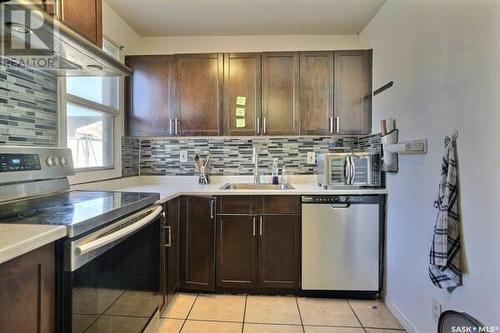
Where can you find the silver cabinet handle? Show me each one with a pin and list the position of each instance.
(261, 226)
(264, 125)
(330, 124)
(337, 125)
(169, 243)
(176, 123)
(212, 206)
(258, 125)
(170, 126)
(254, 226)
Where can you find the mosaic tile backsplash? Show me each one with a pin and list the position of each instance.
(229, 155)
(130, 157)
(28, 108)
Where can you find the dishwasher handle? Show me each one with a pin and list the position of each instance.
(340, 206)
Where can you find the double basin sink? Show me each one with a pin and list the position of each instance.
(252, 186)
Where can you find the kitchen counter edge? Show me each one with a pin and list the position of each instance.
(19, 239)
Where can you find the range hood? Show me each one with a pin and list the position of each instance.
(33, 39)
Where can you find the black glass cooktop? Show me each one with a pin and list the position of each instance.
(79, 211)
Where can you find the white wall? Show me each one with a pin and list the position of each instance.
(115, 28)
(444, 59)
(207, 44)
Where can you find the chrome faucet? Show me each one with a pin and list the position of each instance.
(255, 158)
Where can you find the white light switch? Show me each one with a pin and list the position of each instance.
(311, 157)
(184, 156)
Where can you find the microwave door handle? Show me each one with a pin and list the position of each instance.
(121, 233)
(349, 170)
(353, 170)
(346, 170)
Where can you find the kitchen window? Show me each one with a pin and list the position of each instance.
(91, 122)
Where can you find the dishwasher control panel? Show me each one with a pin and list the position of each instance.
(336, 199)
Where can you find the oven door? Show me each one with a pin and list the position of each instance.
(112, 277)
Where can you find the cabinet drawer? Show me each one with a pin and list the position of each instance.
(238, 204)
(281, 204)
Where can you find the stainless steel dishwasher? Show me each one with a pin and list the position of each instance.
(341, 245)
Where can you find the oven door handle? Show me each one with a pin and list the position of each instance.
(113, 237)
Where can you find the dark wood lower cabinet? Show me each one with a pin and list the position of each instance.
(28, 292)
(236, 251)
(258, 251)
(198, 244)
(279, 252)
(173, 208)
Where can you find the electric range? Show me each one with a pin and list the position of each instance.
(109, 268)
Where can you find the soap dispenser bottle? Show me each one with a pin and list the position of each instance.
(275, 179)
(284, 178)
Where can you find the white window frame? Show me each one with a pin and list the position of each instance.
(98, 173)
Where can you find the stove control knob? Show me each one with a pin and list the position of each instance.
(51, 161)
(63, 162)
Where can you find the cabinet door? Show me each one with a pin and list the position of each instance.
(48, 6)
(28, 292)
(242, 78)
(85, 17)
(199, 84)
(236, 251)
(279, 252)
(172, 249)
(198, 244)
(280, 82)
(353, 91)
(316, 93)
(151, 95)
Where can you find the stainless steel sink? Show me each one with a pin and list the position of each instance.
(251, 186)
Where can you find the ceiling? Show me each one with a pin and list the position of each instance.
(246, 17)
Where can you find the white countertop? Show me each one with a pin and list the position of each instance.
(18, 239)
(170, 187)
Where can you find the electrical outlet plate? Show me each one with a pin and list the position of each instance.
(311, 157)
(436, 310)
(184, 156)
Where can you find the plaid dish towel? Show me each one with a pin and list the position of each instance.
(444, 260)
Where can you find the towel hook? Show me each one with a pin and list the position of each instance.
(455, 134)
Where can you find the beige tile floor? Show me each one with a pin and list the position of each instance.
(203, 313)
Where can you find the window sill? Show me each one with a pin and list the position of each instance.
(92, 175)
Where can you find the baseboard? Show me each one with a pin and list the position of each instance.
(408, 326)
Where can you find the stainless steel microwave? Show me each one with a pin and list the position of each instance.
(349, 169)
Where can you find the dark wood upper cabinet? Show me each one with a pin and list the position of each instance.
(199, 84)
(242, 78)
(150, 104)
(353, 91)
(279, 252)
(236, 251)
(28, 292)
(48, 6)
(316, 93)
(83, 16)
(286, 93)
(198, 244)
(280, 84)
